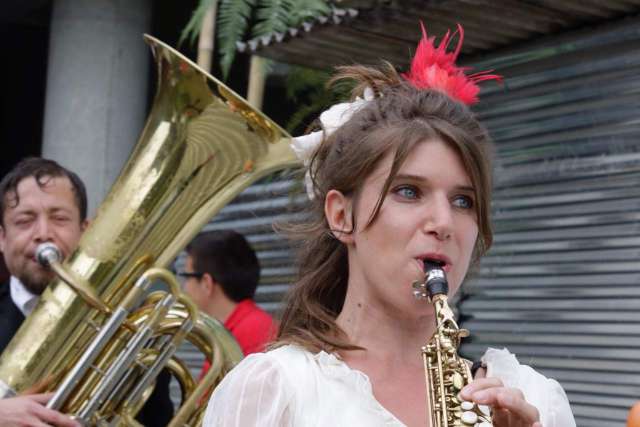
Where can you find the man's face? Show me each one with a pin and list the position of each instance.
(193, 286)
(44, 214)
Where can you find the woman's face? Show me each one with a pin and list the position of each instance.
(428, 212)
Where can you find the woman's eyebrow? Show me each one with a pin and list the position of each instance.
(410, 177)
(420, 178)
(466, 188)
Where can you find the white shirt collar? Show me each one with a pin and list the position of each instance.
(22, 297)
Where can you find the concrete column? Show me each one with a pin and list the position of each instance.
(96, 88)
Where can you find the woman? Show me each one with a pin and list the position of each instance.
(396, 177)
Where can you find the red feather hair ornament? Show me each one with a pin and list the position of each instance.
(433, 68)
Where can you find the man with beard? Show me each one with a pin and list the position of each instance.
(40, 201)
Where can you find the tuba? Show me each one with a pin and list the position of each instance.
(445, 371)
(97, 336)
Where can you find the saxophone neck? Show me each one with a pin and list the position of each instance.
(445, 319)
(443, 311)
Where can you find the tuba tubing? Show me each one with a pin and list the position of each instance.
(201, 146)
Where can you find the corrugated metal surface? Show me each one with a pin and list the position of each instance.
(367, 31)
(560, 287)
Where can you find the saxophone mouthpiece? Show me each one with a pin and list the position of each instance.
(436, 280)
(47, 253)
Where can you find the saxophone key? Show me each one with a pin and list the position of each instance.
(485, 410)
(467, 406)
(469, 418)
(458, 381)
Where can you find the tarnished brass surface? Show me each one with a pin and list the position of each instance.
(202, 144)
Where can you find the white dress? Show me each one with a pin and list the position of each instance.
(290, 386)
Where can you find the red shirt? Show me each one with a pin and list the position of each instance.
(251, 326)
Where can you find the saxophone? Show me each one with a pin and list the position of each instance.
(446, 373)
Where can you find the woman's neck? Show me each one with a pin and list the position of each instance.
(392, 357)
(388, 336)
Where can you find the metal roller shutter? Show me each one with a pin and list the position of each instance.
(560, 286)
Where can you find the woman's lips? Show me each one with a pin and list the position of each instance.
(442, 260)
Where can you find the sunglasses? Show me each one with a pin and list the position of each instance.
(187, 274)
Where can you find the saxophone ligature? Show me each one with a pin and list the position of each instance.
(98, 335)
(446, 373)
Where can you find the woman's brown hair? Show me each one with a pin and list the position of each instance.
(399, 118)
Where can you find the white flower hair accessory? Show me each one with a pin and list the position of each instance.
(305, 146)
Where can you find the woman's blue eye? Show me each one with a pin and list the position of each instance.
(464, 202)
(407, 192)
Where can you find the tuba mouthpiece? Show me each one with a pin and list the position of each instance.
(47, 253)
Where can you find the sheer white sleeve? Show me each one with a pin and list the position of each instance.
(544, 393)
(254, 393)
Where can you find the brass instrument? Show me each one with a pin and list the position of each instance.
(446, 373)
(91, 335)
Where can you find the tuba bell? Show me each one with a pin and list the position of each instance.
(97, 336)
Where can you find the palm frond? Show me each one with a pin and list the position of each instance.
(278, 15)
(303, 10)
(234, 16)
(192, 30)
(272, 16)
(233, 20)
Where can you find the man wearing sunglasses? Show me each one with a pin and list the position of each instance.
(221, 274)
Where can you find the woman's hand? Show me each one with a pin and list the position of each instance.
(509, 407)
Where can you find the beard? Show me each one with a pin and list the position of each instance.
(36, 281)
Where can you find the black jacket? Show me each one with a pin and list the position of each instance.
(158, 410)
(10, 316)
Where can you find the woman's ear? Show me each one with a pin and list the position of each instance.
(337, 210)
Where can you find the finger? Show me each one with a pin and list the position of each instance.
(55, 418)
(503, 417)
(508, 399)
(516, 404)
(40, 386)
(500, 417)
(478, 385)
(480, 373)
(42, 398)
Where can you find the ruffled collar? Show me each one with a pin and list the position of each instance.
(333, 367)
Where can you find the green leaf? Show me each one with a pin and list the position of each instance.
(279, 15)
(233, 20)
(272, 16)
(307, 88)
(234, 16)
(304, 10)
(194, 26)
